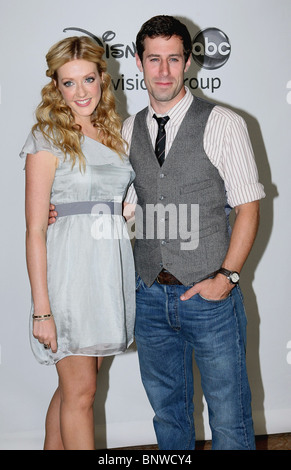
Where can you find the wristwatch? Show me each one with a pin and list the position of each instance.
(232, 276)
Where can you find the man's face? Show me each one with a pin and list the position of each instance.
(163, 67)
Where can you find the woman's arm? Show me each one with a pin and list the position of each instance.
(40, 171)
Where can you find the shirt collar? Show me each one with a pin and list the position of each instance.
(178, 111)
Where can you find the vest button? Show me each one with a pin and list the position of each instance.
(162, 197)
(163, 242)
(162, 175)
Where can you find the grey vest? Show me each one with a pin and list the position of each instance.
(181, 224)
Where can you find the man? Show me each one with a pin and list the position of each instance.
(189, 299)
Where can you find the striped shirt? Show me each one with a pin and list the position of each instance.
(226, 143)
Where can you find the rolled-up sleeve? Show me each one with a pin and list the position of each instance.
(228, 146)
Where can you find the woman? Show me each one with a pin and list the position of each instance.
(80, 268)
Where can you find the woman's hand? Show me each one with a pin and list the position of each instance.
(45, 332)
(52, 215)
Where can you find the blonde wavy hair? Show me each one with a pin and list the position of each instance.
(55, 119)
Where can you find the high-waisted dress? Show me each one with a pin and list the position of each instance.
(90, 267)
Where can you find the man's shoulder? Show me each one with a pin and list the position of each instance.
(128, 122)
(227, 114)
(128, 127)
(219, 111)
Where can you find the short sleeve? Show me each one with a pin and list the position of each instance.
(232, 154)
(36, 142)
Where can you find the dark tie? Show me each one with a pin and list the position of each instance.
(161, 138)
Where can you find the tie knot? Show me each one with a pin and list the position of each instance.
(162, 121)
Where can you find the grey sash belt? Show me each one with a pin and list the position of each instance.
(89, 207)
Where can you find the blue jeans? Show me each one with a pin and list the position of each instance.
(167, 331)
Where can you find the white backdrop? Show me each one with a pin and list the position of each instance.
(256, 82)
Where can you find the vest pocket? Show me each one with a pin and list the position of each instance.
(198, 186)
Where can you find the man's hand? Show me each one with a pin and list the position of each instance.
(217, 288)
(242, 238)
(52, 215)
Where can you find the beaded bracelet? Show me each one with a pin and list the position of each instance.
(42, 317)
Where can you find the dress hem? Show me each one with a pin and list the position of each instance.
(108, 354)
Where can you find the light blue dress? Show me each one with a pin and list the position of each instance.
(90, 267)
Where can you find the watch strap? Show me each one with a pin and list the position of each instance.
(224, 271)
(232, 276)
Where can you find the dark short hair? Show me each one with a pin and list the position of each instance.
(165, 26)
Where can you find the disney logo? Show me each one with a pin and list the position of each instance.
(117, 51)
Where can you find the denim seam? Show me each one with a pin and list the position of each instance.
(186, 399)
(240, 377)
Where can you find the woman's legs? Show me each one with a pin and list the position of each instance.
(70, 423)
(53, 438)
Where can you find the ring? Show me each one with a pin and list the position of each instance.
(46, 346)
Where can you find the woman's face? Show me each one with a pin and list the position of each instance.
(80, 85)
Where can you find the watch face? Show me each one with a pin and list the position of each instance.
(234, 277)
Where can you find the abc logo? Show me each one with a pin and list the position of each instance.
(211, 48)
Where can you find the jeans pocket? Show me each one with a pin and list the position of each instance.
(214, 301)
